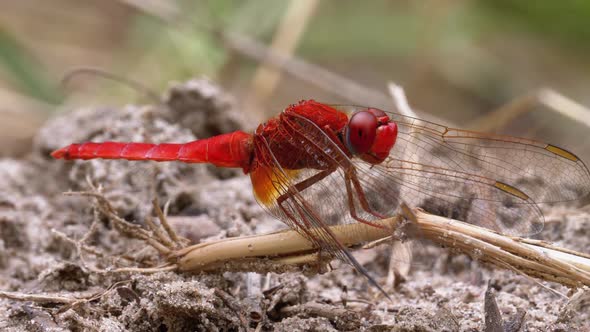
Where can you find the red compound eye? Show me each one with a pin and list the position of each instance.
(362, 130)
(378, 113)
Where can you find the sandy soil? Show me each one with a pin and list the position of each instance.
(40, 252)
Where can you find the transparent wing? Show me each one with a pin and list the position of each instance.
(304, 198)
(308, 199)
(463, 196)
(490, 180)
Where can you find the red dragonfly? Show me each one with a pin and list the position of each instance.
(316, 165)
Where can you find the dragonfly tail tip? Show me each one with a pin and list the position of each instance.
(60, 154)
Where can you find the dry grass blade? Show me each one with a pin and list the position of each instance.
(545, 97)
(58, 299)
(38, 298)
(137, 86)
(400, 101)
(280, 245)
(304, 71)
(285, 41)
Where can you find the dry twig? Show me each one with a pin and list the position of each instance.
(556, 264)
(163, 239)
(38, 298)
(533, 258)
(164, 221)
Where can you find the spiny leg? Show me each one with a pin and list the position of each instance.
(303, 209)
(326, 235)
(362, 198)
(351, 206)
(302, 186)
(351, 176)
(345, 162)
(297, 225)
(302, 226)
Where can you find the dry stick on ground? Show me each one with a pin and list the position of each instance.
(556, 264)
(125, 227)
(530, 257)
(70, 301)
(38, 298)
(533, 258)
(231, 303)
(345, 318)
(177, 241)
(162, 238)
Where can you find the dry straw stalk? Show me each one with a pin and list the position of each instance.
(531, 257)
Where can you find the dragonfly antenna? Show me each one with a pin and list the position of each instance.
(71, 74)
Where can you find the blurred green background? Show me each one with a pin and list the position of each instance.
(457, 60)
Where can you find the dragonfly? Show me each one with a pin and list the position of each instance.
(316, 165)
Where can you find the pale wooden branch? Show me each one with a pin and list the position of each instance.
(541, 261)
(558, 265)
(280, 245)
(288, 248)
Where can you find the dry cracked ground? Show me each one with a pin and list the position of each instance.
(61, 247)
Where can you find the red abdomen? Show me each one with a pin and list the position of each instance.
(227, 150)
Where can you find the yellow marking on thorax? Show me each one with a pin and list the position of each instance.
(269, 184)
(511, 190)
(561, 152)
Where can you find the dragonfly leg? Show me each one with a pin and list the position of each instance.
(305, 211)
(291, 192)
(352, 208)
(298, 226)
(351, 177)
(362, 198)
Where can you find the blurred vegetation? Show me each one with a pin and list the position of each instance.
(456, 59)
(563, 21)
(24, 72)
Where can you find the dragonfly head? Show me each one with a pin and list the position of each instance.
(370, 135)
